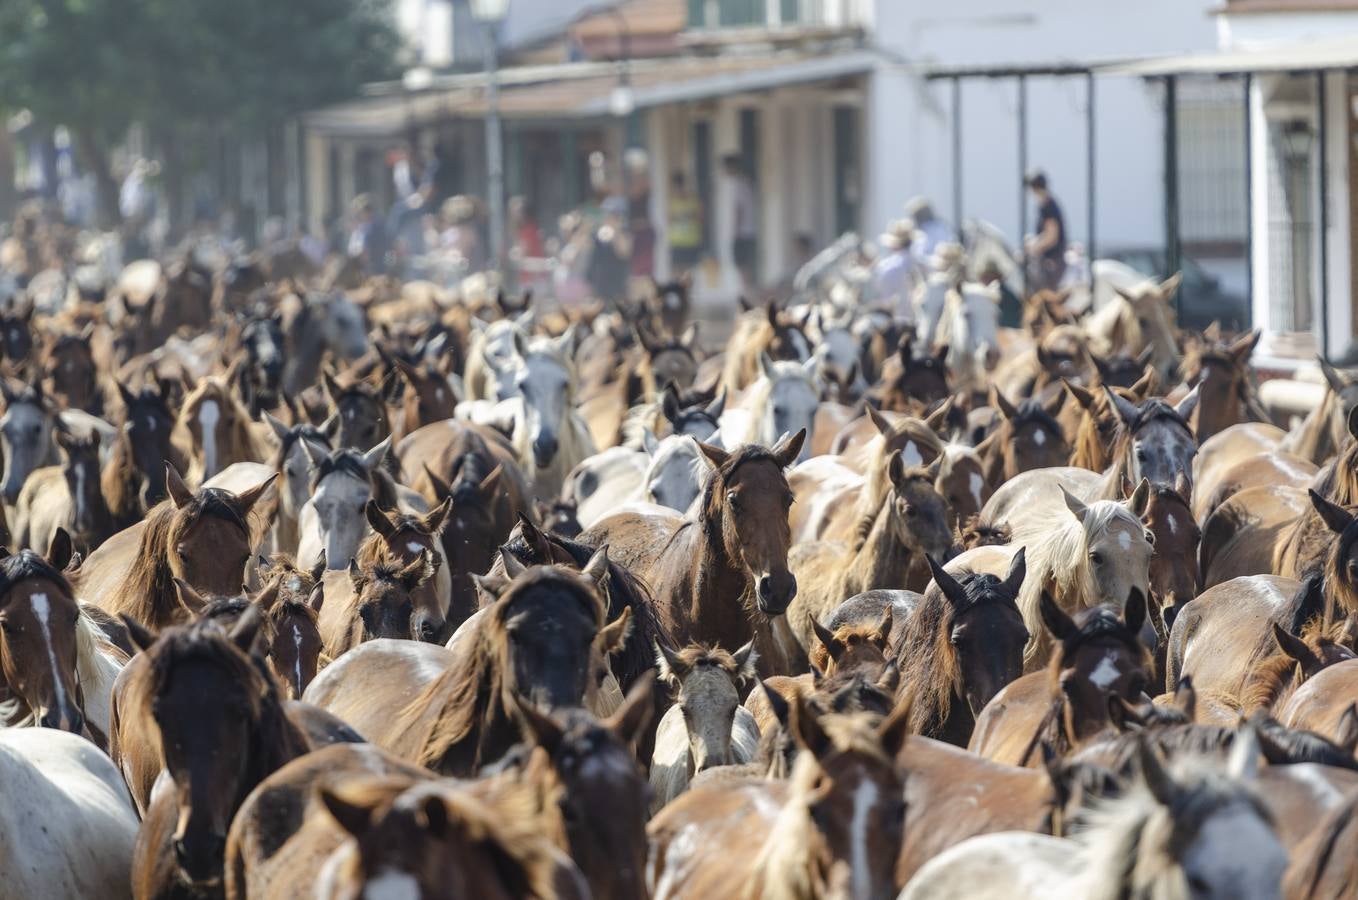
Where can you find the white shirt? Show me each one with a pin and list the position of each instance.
(894, 277)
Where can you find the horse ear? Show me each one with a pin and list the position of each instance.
(248, 498)
(1123, 715)
(378, 520)
(126, 395)
(879, 421)
(952, 589)
(280, 430)
(441, 488)
(1074, 504)
(1170, 285)
(777, 703)
(614, 635)
(806, 728)
(1082, 396)
(771, 311)
(1353, 422)
(318, 567)
(1188, 404)
(745, 304)
(60, 549)
(418, 571)
(765, 364)
(1186, 697)
(1347, 733)
(1243, 347)
(537, 727)
(353, 815)
(330, 427)
(669, 665)
(895, 469)
(355, 573)
(827, 639)
(882, 635)
(1140, 499)
(142, 637)
(635, 713)
(689, 338)
(1332, 375)
(491, 482)
(786, 451)
(1296, 648)
(669, 404)
(1183, 487)
(1055, 619)
(189, 599)
(715, 455)
(514, 567)
(1001, 404)
(1125, 409)
(718, 405)
(520, 343)
(489, 588)
(330, 385)
(179, 492)
(1243, 762)
(1336, 517)
(895, 728)
(1018, 570)
(317, 598)
(596, 569)
(1134, 610)
(374, 457)
(746, 658)
(1158, 781)
(434, 520)
(246, 629)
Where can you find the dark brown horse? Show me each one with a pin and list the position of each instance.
(290, 599)
(405, 538)
(204, 706)
(133, 480)
(373, 600)
(911, 384)
(362, 410)
(721, 576)
(427, 396)
(1028, 437)
(1221, 373)
(69, 366)
(962, 645)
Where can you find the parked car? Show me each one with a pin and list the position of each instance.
(1201, 299)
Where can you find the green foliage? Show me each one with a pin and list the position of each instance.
(99, 65)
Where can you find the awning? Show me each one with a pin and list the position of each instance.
(581, 90)
(1301, 56)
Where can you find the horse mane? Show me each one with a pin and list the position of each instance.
(704, 655)
(147, 592)
(470, 695)
(292, 436)
(1279, 672)
(928, 658)
(1338, 480)
(27, 564)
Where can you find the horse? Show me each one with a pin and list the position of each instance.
(1133, 322)
(361, 410)
(66, 496)
(373, 600)
(1174, 577)
(83, 848)
(887, 550)
(1199, 832)
(962, 644)
(264, 345)
(549, 436)
(428, 396)
(203, 703)
(782, 401)
(290, 599)
(706, 727)
(1028, 437)
(1098, 655)
(971, 333)
(332, 520)
(203, 539)
(1220, 372)
(449, 710)
(68, 363)
(133, 480)
(673, 359)
(1273, 682)
(213, 430)
(401, 538)
(26, 430)
(330, 322)
(770, 332)
(832, 829)
(292, 462)
(58, 670)
(720, 575)
(908, 380)
(1323, 432)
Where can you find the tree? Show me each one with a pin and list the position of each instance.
(98, 66)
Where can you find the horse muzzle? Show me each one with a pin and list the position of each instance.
(774, 592)
(63, 719)
(544, 451)
(201, 861)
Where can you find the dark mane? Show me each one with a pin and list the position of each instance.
(1032, 412)
(346, 461)
(27, 564)
(294, 434)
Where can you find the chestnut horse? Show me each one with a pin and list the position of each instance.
(403, 538)
(720, 576)
(373, 600)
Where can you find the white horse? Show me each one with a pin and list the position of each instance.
(667, 472)
(783, 401)
(1196, 834)
(67, 828)
(970, 329)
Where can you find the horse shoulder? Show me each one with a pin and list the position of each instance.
(1009, 865)
(670, 759)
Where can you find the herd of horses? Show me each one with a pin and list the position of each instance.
(320, 584)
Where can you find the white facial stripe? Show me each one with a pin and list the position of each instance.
(414, 547)
(297, 642)
(1105, 673)
(42, 612)
(864, 799)
(391, 885)
(1124, 540)
(79, 499)
(208, 416)
(976, 482)
(1173, 524)
(1039, 437)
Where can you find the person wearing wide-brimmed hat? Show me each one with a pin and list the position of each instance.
(1047, 248)
(897, 271)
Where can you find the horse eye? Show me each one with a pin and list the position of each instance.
(1096, 558)
(911, 512)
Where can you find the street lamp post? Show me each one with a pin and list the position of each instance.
(490, 13)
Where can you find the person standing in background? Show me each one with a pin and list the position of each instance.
(932, 230)
(897, 271)
(686, 224)
(1047, 248)
(744, 229)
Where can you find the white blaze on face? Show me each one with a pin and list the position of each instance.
(79, 499)
(864, 799)
(42, 611)
(1039, 437)
(976, 482)
(209, 414)
(1124, 540)
(391, 885)
(297, 665)
(1173, 524)
(1105, 673)
(414, 547)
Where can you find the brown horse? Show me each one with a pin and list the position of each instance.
(1324, 704)
(427, 397)
(761, 331)
(1306, 543)
(833, 829)
(290, 599)
(362, 410)
(68, 364)
(371, 601)
(204, 539)
(202, 705)
(909, 383)
(133, 480)
(65, 496)
(962, 645)
(403, 538)
(1298, 658)
(213, 430)
(721, 576)
(1221, 373)
(1028, 437)
(1175, 577)
(450, 710)
(1099, 655)
(1325, 429)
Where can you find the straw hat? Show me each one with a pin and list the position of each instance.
(947, 256)
(899, 233)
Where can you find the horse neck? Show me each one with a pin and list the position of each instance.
(794, 863)
(882, 560)
(719, 587)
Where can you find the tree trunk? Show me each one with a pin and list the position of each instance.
(93, 157)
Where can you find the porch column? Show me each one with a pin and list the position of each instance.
(347, 180)
(1336, 257)
(725, 139)
(773, 207)
(660, 137)
(317, 183)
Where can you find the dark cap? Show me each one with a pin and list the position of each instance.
(1036, 178)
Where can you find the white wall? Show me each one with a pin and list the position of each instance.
(910, 138)
(1259, 29)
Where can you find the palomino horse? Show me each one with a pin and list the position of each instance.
(782, 401)
(1098, 655)
(84, 848)
(213, 431)
(1131, 322)
(58, 670)
(834, 828)
(706, 726)
(1206, 830)
(962, 644)
(202, 705)
(203, 539)
(448, 710)
(721, 575)
(64, 496)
